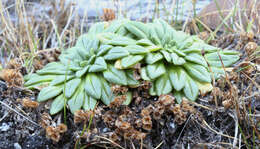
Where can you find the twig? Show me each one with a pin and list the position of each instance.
(19, 113)
(158, 145)
(182, 131)
(111, 141)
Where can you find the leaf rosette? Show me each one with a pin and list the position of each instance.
(171, 60)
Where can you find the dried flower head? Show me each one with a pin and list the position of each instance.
(12, 77)
(82, 116)
(109, 14)
(118, 101)
(61, 128)
(28, 103)
(52, 133)
(45, 120)
(118, 89)
(250, 48)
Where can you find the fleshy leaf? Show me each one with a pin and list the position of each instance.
(144, 74)
(155, 70)
(106, 95)
(61, 79)
(80, 73)
(166, 55)
(130, 60)
(227, 59)
(152, 58)
(36, 79)
(76, 101)
(177, 77)
(131, 81)
(99, 65)
(176, 60)
(136, 49)
(178, 96)
(197, 71)
(163, 85)
(93, 85)
(57, 105)
(89, 103)
(114, 75)
(103, 49)
(129, 97)
(48, 93)
(116, 53)
(196, 58)
(190, 89)
(71, 86)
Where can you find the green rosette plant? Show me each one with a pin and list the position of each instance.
(172, 61)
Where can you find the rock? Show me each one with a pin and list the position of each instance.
(248, 10)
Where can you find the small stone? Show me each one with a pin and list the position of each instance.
(4, 127)
(17, 146)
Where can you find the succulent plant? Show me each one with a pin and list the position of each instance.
(172, 61)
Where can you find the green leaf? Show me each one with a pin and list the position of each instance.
(114, 75)
(179, 52)
(176, 60)
(152, 91)
(195, 47)
(177, 77)
(131, 81)
(133, 28)
(152, 58)
(97, 28)
(144, 42)
(186, 43)
(214, 60)
(106, 95)
(57, 105)
(153, 35)
(198, 72)
(48, 93)
(191, 89)
(116, 53)
(131, 60)
(36, 79)
(60, 79)
(159, 29)
(136, 49)
(144, 74)
(104, 49)
(178, 96)
(82, 52)
(163, 85)
(93, 85)
(155, 70)
(89, 103)
(166, 55)
(54, 69)
(129, 98)
(218, 72)
(99, 65)
(76, 101)
(196, 58)
(120, 41)
(80, 73)
(71, 87)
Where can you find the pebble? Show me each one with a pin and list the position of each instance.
(4, 127)
(17, 146)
